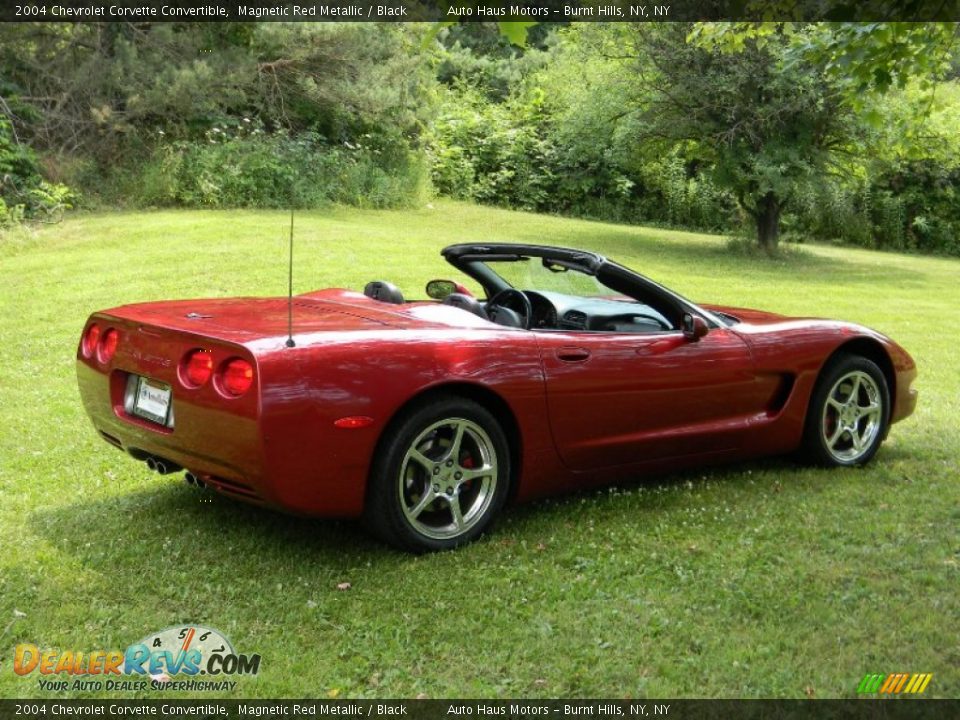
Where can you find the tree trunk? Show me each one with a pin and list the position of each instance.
(767, 216)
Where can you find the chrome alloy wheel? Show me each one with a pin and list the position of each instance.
(852, 417)
(448, 478)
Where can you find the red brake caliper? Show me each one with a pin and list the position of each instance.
(467, 464)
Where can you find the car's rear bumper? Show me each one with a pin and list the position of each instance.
(222, 448)
(273, 457)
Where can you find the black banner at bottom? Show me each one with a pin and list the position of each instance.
(887, 709)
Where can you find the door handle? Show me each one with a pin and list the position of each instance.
(573, 354)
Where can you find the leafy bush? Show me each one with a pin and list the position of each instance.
(254, 169)
(24, 194)
(519, 154)
(492, 153)
(479, 55)
(912, 206)
(916, 206)
(154, 115)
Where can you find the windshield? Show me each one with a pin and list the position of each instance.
(562, 288)
(532, 274)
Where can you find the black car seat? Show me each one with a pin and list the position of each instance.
(384, 292)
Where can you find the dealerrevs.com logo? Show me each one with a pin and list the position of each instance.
(177, 658)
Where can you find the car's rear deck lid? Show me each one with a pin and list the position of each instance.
(245, 319)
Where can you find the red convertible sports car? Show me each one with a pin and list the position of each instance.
(424, 417)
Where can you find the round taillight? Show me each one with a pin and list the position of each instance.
(197, 367)
(108, 345)
(90, 339)
(236, 376)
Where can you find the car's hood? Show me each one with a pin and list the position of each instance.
(753, 323)
(747, 315)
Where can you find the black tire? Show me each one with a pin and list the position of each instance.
(417, 485)
(849, 413)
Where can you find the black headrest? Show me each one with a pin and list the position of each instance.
(384, 292)
(466, 302)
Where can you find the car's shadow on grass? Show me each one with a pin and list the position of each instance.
(644, 486)
(171, 524)
(644, 500)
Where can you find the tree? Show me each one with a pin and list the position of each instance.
(764, 125)
(861, 58)
(104, 90)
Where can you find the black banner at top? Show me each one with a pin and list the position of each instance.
(478, 10)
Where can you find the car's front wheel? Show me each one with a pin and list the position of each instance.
(440, 476)
(849, 412)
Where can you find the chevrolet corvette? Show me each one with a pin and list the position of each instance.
(560, 370)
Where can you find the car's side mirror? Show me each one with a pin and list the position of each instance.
(694, 326)
(440, 289)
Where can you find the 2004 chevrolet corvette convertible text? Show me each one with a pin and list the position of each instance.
(425, 417)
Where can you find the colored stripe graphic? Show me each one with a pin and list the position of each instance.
(915, 680)
(870, 683)
(903, 679)
(891, 681)
(895, 683)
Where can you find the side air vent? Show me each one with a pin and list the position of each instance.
(574, 320)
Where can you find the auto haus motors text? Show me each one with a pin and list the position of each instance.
(138, 668)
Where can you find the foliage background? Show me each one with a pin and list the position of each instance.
(852, 132)
(691, 575)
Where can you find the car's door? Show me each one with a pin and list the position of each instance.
(625, 398)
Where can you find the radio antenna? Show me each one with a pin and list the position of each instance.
(290, 342)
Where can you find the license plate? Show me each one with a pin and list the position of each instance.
(152, 400)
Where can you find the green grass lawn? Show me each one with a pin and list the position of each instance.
(765, 579)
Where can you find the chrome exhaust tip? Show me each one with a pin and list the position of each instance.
(152, 464)
(193, 481)
(165, 467)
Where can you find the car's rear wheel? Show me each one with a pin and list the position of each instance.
(440, 476)
(849, 412)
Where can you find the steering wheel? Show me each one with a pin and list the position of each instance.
(663, 325)
(502, 298)
(630, 317)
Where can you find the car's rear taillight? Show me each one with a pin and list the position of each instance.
(108, 345)
(236, 376)
(89, 345)
(196, 368)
